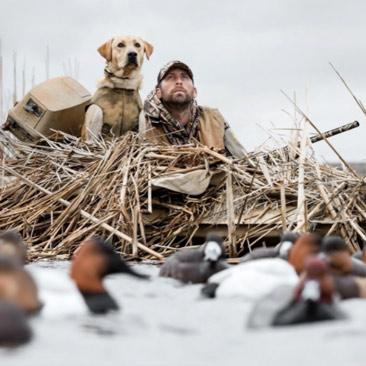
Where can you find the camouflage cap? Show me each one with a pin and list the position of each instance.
(174, 64)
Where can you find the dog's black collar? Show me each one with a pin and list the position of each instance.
(111, 75)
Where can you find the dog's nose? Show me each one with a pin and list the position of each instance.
(132, 55)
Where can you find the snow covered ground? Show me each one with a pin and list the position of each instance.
(163, 322)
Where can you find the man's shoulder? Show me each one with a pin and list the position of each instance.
(205, 108)
(213, 113)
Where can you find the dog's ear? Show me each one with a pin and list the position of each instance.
(148, 49)
(105, 50)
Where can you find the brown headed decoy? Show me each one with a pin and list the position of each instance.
(91, 263)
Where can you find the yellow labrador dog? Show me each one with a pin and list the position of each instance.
(116, 105)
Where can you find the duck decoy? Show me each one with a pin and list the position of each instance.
(17, 286)
(279, 251)
(313, 299)
(340, 259)
(348, 272)
(14, 327)
(91, 263)
(251, 280)
(196, 265)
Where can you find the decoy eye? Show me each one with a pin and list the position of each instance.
(121, 44)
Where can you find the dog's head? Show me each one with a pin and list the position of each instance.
(125, 54)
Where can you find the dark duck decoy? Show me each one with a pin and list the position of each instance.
(196, 265)
(92, 261)
(14, 327)
(314, 297)
(279, 251)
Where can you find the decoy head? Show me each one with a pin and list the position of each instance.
(317, 284)
(287, 240)
(315, 268)
(337, 253)
(92, 261)
(12, 245)
(306, 246)
(95, 259)
(331, 244)
(213, 248)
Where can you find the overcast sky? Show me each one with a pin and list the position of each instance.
(242, 54)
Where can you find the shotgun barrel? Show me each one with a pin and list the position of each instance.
(319, 137)
(335, 131)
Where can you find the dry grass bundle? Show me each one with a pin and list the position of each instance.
(64, 191)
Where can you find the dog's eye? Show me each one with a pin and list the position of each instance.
(121, 44)
(137, 45)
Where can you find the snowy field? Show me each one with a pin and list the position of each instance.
(163, 322)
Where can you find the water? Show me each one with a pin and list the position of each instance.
(163, 322)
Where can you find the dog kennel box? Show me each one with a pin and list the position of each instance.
(56, 104)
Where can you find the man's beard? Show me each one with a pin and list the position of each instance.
(176, 103)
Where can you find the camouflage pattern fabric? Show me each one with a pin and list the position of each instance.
(174, 64)
(175, 133)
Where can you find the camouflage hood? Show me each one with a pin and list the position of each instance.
(175, 132)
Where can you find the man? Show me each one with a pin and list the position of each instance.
(172, 115)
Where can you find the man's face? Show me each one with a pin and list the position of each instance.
(176, 88)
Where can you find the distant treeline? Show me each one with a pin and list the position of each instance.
(359, 166)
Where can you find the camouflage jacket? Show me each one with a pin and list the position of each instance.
(207, 127)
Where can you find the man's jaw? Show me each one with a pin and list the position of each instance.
(179, 96)
(177, 105)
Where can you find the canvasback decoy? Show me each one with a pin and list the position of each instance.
(92, 261)
(313, 298)
(244, 279)
(17, 286)
(281, 250)
(12, 245)
(196, 265)
(14, 327)
(251, 280)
